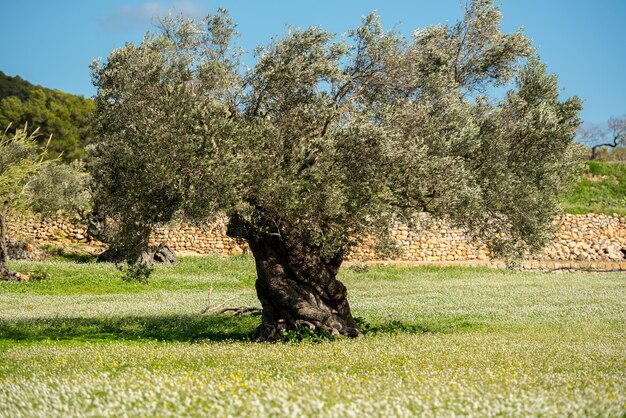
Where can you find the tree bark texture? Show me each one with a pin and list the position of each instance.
(5, 273)
(4, 254)
(297, 288)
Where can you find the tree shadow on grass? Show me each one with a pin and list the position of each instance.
(61, 254)
(181, 328)
(449, 325)
(186, 328)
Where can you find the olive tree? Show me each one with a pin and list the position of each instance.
(19, 160)
(326, 142)
(161, 108)
(29, 181)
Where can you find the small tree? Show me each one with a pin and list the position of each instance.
(19, 161)
(27, 180)
(325, 142)
(59, 187)
(613, 135)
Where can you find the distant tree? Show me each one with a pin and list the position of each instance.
(59, 187)
(65, 117)
(326, 142)
(613, 135)
(27, 179)
(14, 86)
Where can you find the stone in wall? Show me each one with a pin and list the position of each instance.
(44, 231)
(430, 240)
(588, 237)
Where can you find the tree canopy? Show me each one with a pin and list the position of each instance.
(14, 86)
(326, 141)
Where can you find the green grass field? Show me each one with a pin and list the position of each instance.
(602, 189)
(443, 342)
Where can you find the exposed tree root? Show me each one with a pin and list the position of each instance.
(10, 276)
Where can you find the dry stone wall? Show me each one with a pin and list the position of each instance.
(580, 238)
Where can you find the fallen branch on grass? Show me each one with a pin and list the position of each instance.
(238, 311)
(222, 309)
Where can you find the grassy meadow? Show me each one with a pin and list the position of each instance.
(441, 342)
(601, 189)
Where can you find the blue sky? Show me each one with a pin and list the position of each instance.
(52, 42)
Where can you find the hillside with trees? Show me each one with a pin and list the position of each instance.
(65, 117)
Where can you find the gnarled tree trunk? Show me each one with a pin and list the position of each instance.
(5, 273)
(4, 254)
(128, 242)
(298, 288)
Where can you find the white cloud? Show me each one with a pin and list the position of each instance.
(141, 16)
